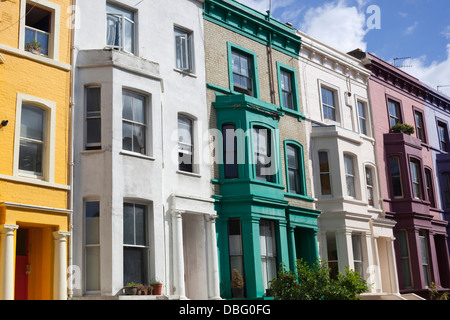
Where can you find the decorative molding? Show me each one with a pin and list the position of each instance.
(254, 25)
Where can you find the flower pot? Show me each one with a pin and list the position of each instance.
(157, 289)
(130, 291)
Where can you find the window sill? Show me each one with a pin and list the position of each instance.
(298, 196)
(186, 73)
(92, 151)
(34, 181)
(136, 155)
(35, 57)
(191, 174)
(294, 113)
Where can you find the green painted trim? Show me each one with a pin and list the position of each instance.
(254, 25)
(230, 47)
(295, 88)
(301, 159)
(218, 88)
(298, 196)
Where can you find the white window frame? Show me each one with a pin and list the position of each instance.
(370, 184)
(337, 106)
(416, 178)
(187, 41)
(53, 41)
(350, 175)
(144, 125)
(93, 145)
(365, 118)
(122, 17)
(325, 173)
(192, 145)
(91, 245)
(48, 166)
(146, 246)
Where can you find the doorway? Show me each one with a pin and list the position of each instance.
(22, 265)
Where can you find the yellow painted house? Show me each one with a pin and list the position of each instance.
(35, 164)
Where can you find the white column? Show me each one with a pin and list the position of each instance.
(368, 255)
(178, 254)
(212, 258)
(345, 250)
(7, 258)
(60, 265)
(393, 266)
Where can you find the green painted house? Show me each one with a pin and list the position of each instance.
(262, 186)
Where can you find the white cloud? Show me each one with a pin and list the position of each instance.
(411, 28)
(337, 24)
(446, 32)
(435, 74)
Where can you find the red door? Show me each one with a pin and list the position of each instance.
(21, 283)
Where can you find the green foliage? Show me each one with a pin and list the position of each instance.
(314, 283)
(403, 128)
(436, 295)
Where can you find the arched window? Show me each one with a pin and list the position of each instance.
(325, 173)
(230, 164)
(185, 144)
(295, 173)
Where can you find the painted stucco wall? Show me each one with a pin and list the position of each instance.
(112, 175)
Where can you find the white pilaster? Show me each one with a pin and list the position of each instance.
(7, 261)
(60, 265)
(178, 256)
(212, 258)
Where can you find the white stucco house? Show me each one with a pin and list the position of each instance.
(353, 230)
(142, 192)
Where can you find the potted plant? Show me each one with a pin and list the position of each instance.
(33, 47)
(403, 128)
(142, 289)
(237, 284)
(156, 286)
(131, 288)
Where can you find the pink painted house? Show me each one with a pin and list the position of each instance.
(405, 165)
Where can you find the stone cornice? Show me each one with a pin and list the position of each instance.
(253, 24)
(389, 74)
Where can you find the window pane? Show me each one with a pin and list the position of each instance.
(114, 30)
(134, 263)
(185, 130)
(128, 224)
(139, 139)
(129, 36)
(127, 111)
(92, 268)
(93, 100)
(140, 225)
(93, 130)
(30, 157)
(32, 123)
(42, 38)
(127, 136)
(92, 222)
(230, 151)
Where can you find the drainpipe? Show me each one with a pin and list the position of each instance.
(71, 124)
(270, 61)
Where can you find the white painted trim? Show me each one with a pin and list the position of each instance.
(49, 145)
(35, 57)
(53, 49)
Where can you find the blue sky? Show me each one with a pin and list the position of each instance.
(415, 29)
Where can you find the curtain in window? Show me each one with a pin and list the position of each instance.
(114, 31)
(268, 251)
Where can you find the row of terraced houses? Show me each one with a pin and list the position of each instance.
(182, 140)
